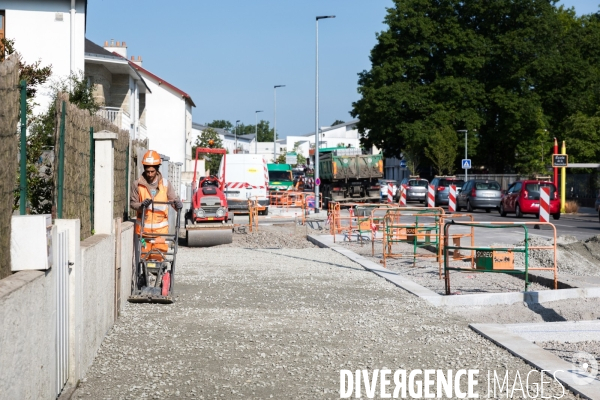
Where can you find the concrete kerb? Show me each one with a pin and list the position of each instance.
(326, 241)
(539, 358)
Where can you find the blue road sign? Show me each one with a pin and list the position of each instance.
(466, 163)
(402, 164)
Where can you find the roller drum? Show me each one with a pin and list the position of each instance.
(209, 237)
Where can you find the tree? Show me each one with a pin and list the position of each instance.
(209, 138)
(221, 124)
(490, 66)
(337, 122)
(300, 159)
(442, 149)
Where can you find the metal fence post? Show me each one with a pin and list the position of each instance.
(23, 177)
(92, 162)
(61, 162)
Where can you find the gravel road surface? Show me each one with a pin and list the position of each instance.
(257, 323)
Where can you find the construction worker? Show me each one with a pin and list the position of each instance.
(153, 187)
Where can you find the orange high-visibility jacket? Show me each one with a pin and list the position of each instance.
(156, 219)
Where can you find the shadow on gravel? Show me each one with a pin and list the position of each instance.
(310, 260)
(547, 314)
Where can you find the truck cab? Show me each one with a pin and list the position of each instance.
(280, 177)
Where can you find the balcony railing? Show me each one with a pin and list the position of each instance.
(142, 133)
(116, 116)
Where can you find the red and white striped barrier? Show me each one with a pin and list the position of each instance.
(545, 204)
(402, 195)
(431, 196)
(351, 212)
(242, 185)
(390, 194)
(266, 173)
(452, 199)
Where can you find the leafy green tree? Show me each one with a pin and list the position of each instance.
(300, 159)
(499, 67)
(337, 122)
(209, 138)
(442, 149)
(221, 124)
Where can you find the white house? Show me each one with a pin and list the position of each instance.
(168, 117)
(52, 31)
(245, 143)
(118, 88)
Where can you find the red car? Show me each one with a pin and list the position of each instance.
(523, 197)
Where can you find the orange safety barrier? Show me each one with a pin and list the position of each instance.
(503, 266)
(420, 233)
(455, 238)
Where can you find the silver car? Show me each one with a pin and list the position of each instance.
(416, 189)
(479, 194)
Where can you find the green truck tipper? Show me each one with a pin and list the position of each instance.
(348, 175)
(280, 177)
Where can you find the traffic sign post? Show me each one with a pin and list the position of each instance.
(466, 163)
(402, 164)
(560, 160)
(318, 182)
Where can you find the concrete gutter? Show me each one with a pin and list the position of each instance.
(483, 299)
(541, 359)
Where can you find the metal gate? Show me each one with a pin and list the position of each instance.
(62, 309)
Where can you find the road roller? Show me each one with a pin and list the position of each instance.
(208, 221)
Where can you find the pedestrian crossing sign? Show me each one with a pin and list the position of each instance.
(466, 163)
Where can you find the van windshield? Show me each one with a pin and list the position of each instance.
(533, 190)
(280, 176)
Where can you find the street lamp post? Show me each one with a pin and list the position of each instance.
(317, 111)
(236, 127)
(275, 123)
(256, 131)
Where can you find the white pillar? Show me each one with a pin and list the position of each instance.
(104, 181)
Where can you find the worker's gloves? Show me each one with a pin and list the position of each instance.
(178, 204)
(146, 202)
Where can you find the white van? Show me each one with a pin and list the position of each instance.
(245, 178)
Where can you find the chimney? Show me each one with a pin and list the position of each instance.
(138, 61)
(119, 48)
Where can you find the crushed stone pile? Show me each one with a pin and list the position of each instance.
(269, 237)
(575, 257)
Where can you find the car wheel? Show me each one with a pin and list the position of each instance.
(469, 207)
(458, 208)
(488, 210)
(421, 201)
(556, 216)
(502, 212)
(518, 212)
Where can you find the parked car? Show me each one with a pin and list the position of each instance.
(441, 185)
(416, 189)
(383, 184)
(597, 203)
(523, 197)
(479, 194)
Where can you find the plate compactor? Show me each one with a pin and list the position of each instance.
(208, 221)
(155, 256)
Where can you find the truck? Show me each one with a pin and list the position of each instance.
(280, 177)
(245, 179)
(347, 175)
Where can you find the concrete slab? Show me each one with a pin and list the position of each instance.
(564, 331)
(483, 299)
(541, 359)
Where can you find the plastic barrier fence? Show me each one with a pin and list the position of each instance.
(498, 259)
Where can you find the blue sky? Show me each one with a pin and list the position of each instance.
(228, 54)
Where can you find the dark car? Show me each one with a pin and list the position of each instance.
(479, 194)
(523, 197)
(441, 185)
(416, 189)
